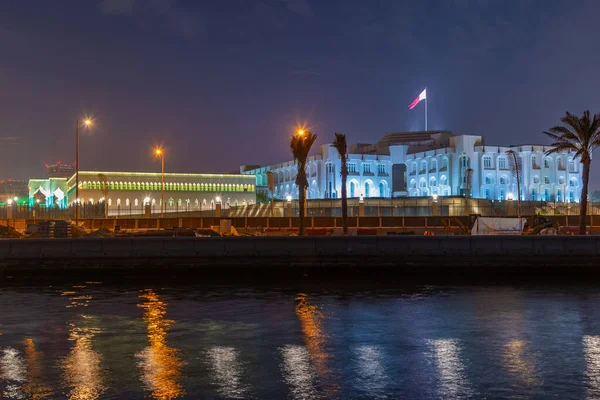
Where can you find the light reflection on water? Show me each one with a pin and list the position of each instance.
(373, 378)
(518, 362)
(452, 381)
(36, 386)
(228, 372)
(94, 342)
(160, 364)
(299, 372)
(591, 348)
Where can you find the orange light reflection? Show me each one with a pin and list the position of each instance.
(160, 364)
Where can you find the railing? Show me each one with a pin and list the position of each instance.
(371, 207)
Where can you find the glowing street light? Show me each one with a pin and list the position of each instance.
(160, 152)
(86, 123)
(289, 198)
(300, 132)
(218, 199)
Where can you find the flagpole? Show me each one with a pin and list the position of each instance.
(425, 113)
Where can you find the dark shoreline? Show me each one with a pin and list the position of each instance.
(283, 260)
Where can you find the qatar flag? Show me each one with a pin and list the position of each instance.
(422, 96)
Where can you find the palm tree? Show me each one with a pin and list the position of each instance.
(342, 149)
(300, 144)
(582, 136)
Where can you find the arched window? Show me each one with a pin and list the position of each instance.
(109, 202)
(444, 163)
(546, 162)
(127, 202)
(422, 183)
(536, 179)
(488, 179)
(118, 202)
(381, 189)
(443, 180)
(413, 184)
(432, 181)
(561, 180)
(423, 167)
(352, 189)
(414, 167)
(135, 202)
(433, 165)
(178, 202)
(571, 166)
(464, 161)
(367, 189)
(503, 180)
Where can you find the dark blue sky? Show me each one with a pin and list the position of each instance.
(222, 83)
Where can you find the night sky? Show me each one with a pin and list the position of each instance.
(223, 83)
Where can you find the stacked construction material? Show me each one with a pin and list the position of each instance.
(55, 229)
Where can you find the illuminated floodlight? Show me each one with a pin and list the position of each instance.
(147, 200)
(435, 197)
(10, 202)
(288, 198)
(510, 196)
(218, 199)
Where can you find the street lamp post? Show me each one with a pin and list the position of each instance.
(86, 122)
(161, 153)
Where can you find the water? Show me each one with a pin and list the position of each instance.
(96, 341)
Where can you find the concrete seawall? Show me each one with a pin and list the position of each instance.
(251, 253)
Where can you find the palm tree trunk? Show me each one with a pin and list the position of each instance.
(344, 204)
(584, 198)
(301, 205)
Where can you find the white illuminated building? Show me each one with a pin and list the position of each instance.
(431, 163)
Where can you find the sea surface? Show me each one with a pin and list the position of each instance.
(97, 341)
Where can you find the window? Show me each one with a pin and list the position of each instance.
(571, 166)
(381, 189)
(433, 181)
(503, 180)
(414, 167)
(422, 183)
(330, 168)
(561, 180)
(366, 168)
(136, 202)
(367, 189)
(487, 194)
(502, 163)
(352, 168)
(443, 180)
(546, 194)
(464, 161)
(536, 179)
(571, 196)
(381, 169)
(546, 163)
(559, 195)
(487, 162)
(501, 194)
(534, 162)
(533, 194)
(423, 167)
(445, 163)
(413, 184)
(434, 165)
(560, 164)
(488, 180)
(127, 202)
(352, 189)
(573, 182)
(546, 180)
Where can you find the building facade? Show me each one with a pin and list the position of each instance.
(133, 190)
(431, 163)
